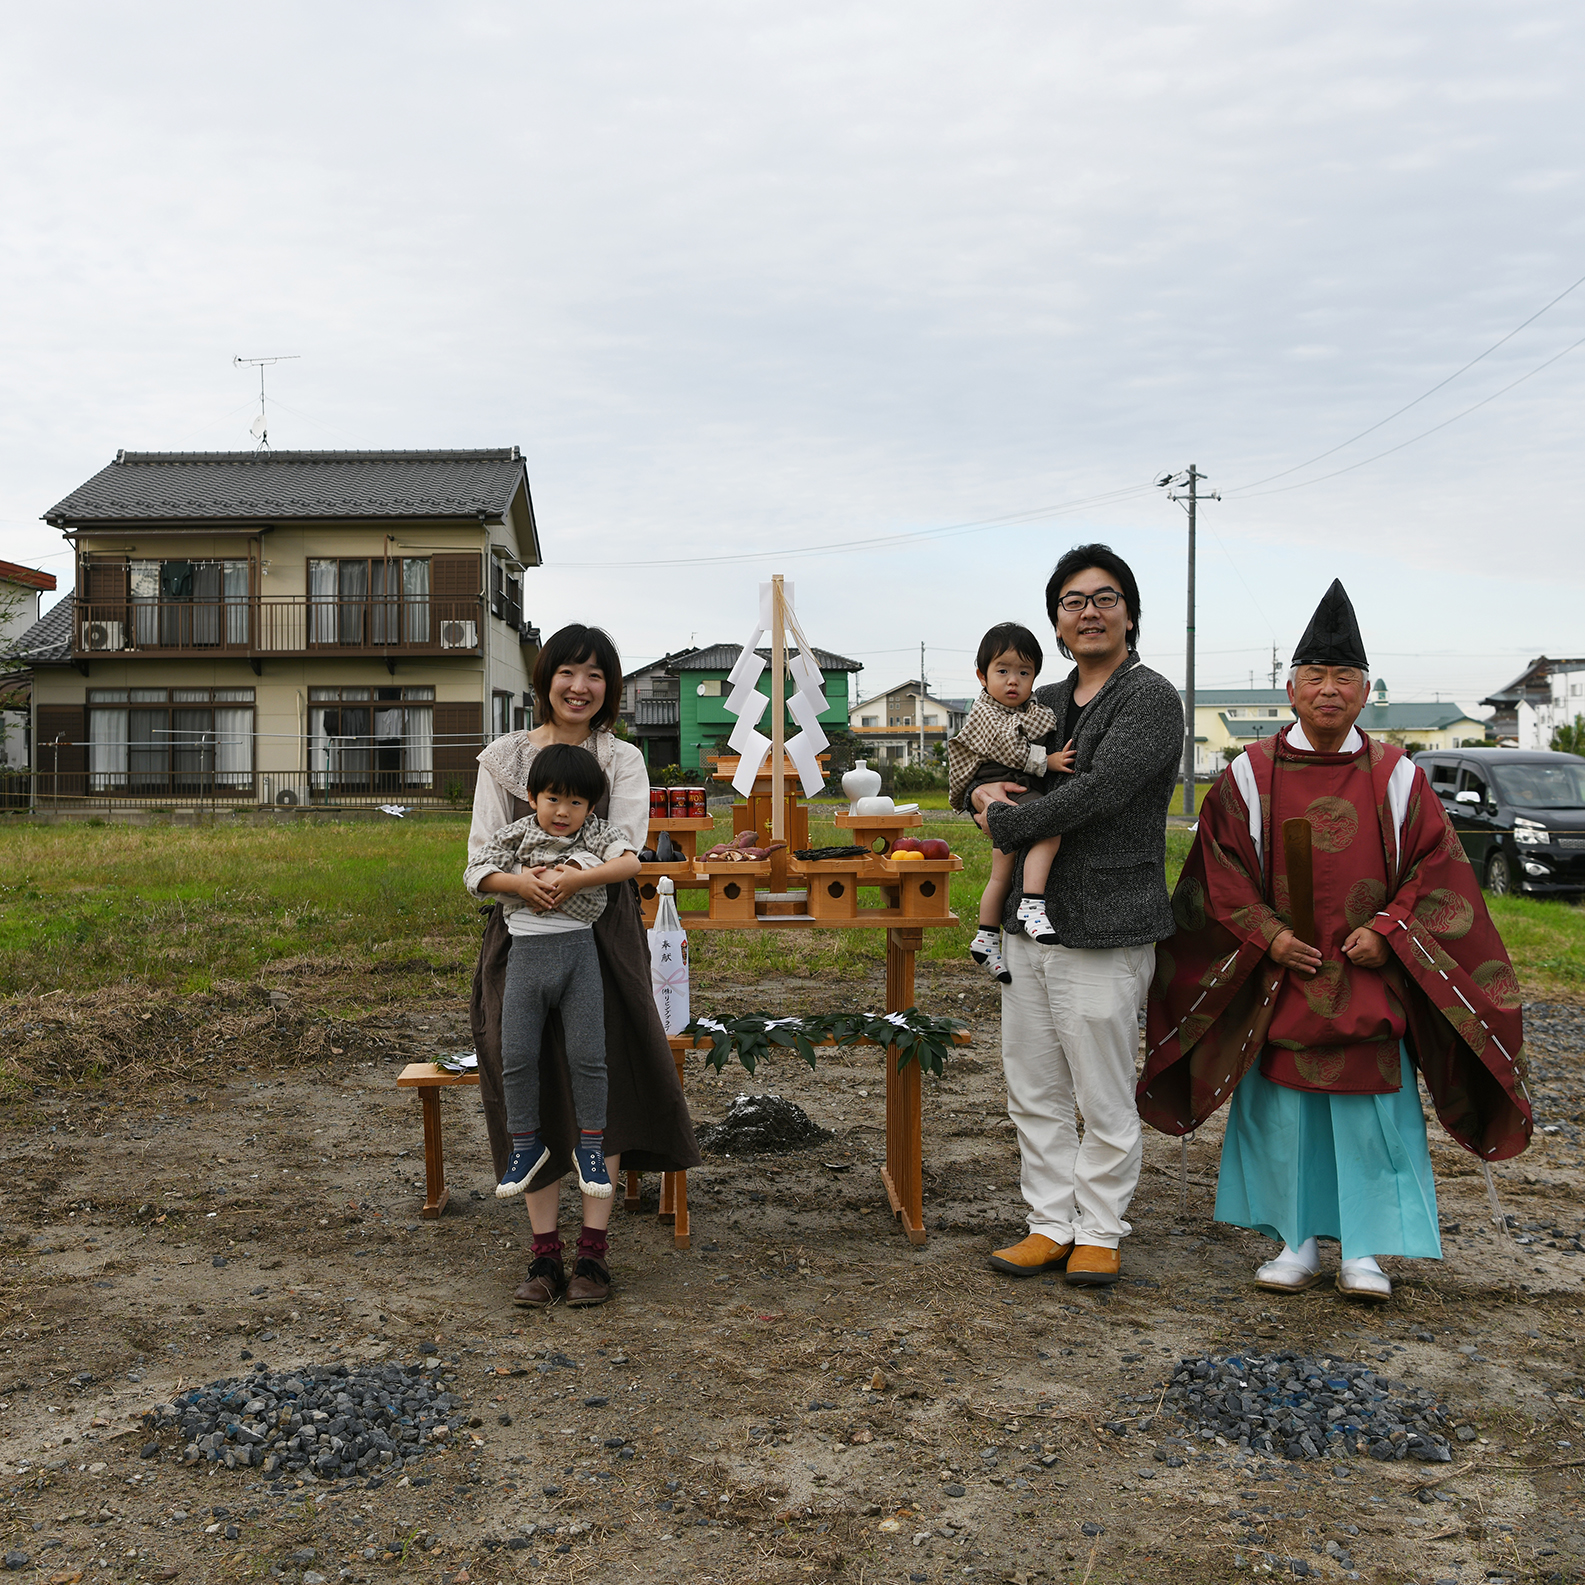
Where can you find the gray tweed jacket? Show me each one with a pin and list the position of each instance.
(1108, 885)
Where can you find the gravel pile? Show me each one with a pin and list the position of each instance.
(1297, 1407)
(761, 1125)
(332, 1421)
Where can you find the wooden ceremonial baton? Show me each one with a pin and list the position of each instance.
(1300, 863)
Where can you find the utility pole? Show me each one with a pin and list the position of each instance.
(1276, 666)
(921, 701)
(1191, 478)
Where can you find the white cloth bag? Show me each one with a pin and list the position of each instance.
(668, 961)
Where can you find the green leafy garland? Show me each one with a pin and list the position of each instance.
(917, 1036)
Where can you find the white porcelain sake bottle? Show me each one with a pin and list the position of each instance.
(860, 782)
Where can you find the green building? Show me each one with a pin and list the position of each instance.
(703, 722)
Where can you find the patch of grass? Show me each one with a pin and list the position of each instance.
(184, 910)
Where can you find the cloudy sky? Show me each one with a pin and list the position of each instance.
(745, 279)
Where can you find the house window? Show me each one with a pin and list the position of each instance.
(710, 688)
(188, 604)
(869, 720)
(370, 739)
(501, 714)
(932, 720)
(368, 601)
(170, 740)
(506, 592)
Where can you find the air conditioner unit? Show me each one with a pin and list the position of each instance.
(102, 635)
(459, 635)
(286, 798)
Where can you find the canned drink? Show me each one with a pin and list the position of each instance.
(677, 799)
(696, 804)
(657, 803)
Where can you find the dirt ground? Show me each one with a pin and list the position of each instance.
(802, 1395)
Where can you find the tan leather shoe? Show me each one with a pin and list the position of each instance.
(1033, 1254)
(1091, 1266)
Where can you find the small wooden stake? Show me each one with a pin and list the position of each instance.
(778, 669)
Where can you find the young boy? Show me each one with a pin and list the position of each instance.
(566, 856)
(1004, 736)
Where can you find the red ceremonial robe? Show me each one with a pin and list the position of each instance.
(1216, 993)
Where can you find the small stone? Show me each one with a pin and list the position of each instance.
(953, 1490)
(219, 1260)
(17, 1560)
(149, 1450)
(551, 1491)
(878, 1382)
(1466, 1433)
(313, 1577)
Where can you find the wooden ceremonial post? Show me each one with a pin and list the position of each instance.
(903, 1173)
(778, 669)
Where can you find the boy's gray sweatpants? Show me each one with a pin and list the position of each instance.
(542, 972)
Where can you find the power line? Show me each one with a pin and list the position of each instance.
(1282, 489)
(1032, 515)
(1407, 405)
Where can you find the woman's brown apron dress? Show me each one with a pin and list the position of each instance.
(647, 1119)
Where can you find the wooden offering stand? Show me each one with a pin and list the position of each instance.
(784, 892)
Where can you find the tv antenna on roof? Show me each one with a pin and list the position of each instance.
(260, 427)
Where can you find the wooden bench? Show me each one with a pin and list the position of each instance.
(902, 1139)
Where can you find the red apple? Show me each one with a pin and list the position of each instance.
(907, 845)
(935, 848)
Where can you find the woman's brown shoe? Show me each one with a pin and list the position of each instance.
(591, 1283)
(542, 1287)
(1033, 1254)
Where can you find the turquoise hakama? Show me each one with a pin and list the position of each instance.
(1300, 1164)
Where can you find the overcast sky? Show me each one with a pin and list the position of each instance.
(742, 279)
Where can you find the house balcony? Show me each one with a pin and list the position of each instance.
(280, 627)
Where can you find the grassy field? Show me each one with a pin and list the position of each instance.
(179, 909)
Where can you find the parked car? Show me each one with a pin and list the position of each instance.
(1520, 814)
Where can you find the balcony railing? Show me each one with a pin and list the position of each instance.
(286, 625)
(64, 791)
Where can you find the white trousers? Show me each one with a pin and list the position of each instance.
(1070, 1035)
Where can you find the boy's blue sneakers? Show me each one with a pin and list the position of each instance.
(522, 1166)
(593, 1179)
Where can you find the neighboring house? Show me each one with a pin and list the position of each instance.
(1565, 700)
(289, 627)
(650, 709)
(1533, 686)
(888, 724)
(22, 632)
(702, 691)
(1228, 718)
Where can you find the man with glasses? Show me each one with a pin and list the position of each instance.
(1070, 1016)
(1314, 969)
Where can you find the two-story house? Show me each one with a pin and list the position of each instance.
(650, 710)
(289, 627)
(704, 724)
(1537, 718)
(890, 724)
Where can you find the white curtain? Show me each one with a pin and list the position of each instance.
(420, 757)
(322, 595)
(415, 596)
(107, 749)
(234, 748)
(236, 597)
(145, 580)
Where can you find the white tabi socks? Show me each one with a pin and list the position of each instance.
(1293, 1270)
(1362, 1278)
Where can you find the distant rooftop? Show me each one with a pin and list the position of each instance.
(189, 486)
(723, 657)
(28, 577)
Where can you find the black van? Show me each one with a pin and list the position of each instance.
(1520, 814)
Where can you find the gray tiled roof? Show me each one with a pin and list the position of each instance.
(183, 486)
(49, 641)
(723, 657)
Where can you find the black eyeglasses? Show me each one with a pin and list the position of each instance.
(1102, 600)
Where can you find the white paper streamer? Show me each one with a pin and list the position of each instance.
(766, 604)
(743, 736)
(738, 700)
(748, 766)
(801, 751)
(807, 676)
(807, 715)
(748, 660)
